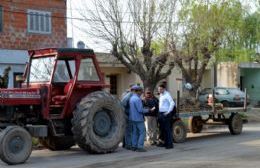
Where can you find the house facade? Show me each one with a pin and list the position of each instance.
(241, 75)
(26, 24)
(119, 77)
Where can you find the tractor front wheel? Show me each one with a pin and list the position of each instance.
(98, 123)
(57, 143)
(15, 145)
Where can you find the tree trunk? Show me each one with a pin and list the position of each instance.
(150, 84)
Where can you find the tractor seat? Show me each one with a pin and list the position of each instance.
(60, 99)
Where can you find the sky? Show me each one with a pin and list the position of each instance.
(74, 32)
(74, 23)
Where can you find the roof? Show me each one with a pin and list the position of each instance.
(62, 51)
(251, 65)
(108, 60)
(13, 56)
(75, 50)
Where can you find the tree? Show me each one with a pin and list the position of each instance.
(206, 28)
(242, 45)
(133, 28)
(151, 36)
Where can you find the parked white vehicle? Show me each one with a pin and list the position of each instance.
(227, 96)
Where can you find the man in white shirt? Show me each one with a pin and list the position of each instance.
(166, 105)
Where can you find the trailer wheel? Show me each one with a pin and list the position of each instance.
(235, 124)
(179, 131)
(57, 143)
(98, 123)
(225, 103)
(15, 145)
(195, 124)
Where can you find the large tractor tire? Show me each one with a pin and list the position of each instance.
(15, 145)
(98, 123)
(57, 143)
(179, 131)
(195, 124)
(235, 124)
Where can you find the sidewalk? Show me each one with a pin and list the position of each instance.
(253, 115)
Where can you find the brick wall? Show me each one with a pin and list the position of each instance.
(15, 34)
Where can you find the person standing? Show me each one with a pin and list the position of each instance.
(136, 116)
(166, 105)
(127, 141)
(150, 101)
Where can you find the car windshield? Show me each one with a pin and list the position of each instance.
(235, 91)
(41, 69)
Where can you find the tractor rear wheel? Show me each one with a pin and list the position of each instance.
(15, 145)
(98, 123)
(57, 143)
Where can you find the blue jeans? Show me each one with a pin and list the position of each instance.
(138, 135)
(128, 134)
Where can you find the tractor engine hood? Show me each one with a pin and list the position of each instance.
(20, 96)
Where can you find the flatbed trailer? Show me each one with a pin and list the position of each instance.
(198, 118)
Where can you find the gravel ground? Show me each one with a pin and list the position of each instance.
(213, 148)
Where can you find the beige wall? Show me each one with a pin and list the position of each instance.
(172, 84)
(207, 79)
(228, 74)
(124, 77)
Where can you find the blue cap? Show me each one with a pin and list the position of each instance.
(136, 87)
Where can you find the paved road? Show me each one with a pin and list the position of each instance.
(212, 149)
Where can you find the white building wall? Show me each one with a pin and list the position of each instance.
(14, 69)
(16, 59)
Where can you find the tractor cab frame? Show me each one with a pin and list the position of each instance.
(64, 77)
(62, 103)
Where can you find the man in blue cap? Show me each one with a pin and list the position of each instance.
(136, 116)
(127, 141)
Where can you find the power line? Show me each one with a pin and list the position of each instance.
(56, 8)
(30, 4)
(76, 18)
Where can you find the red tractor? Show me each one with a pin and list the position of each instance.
(61, 102)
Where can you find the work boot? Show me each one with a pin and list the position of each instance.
(140, 150)
(169, 147)
(133, 149)
(128, 147)
(160, 145)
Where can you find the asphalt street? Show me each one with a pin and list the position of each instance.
(214, 148)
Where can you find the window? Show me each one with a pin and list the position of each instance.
(41, 69)
(222, 92)
(206, 91)
(87, 71)
(62, 71)
(39, 21)
(1, 18)
(113, 84)
(17, 75)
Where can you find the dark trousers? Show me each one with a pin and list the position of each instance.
(165, 126)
